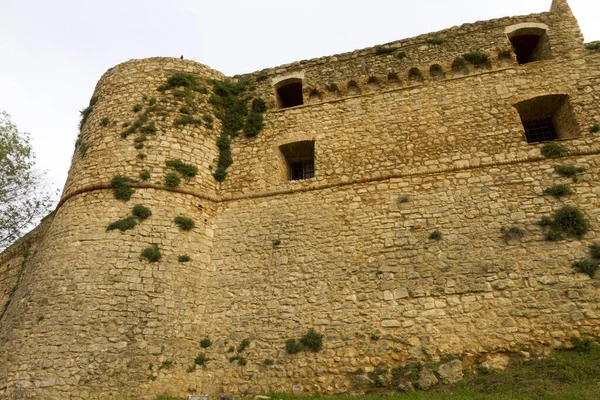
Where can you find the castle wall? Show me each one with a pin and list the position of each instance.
(357, 260)
(347, 252)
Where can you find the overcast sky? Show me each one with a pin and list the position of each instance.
(52, 52)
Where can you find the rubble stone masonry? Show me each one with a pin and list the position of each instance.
(347, 252)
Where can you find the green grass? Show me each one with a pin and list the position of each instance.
(567, 374)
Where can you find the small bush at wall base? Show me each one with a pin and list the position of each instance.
(292, 346)
(312, 340)
(569, 171)
(435, 235)
(558, 190)
(206, 342)
(595, 128)
(589, 267)
(121, 189)
(183, 259)
(184, 223)
(152, 254)
(514, 232)
(552, 150)
(122, 224)
(172, 180)
(141, 212)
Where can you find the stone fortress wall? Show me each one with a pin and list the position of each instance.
(346, 252)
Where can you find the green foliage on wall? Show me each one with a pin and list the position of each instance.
(121, 189)
(152, 254)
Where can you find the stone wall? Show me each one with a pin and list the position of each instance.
(347, 252)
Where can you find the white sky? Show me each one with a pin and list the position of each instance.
(52, 52)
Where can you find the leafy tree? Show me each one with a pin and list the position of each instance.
(23, 196)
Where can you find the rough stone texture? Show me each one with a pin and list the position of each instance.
(427, 379)
(451, 372)
(84, 317)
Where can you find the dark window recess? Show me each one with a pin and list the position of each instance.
(290, 95)
(531, 44)
(299, 160)
(547, 118)
(299, 171)
(540, 131)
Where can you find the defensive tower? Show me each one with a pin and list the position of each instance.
(387, 198)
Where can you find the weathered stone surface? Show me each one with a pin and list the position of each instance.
(451, 372)
(395, 159)
(427, 379)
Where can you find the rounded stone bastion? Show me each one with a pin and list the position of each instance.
(113, 292)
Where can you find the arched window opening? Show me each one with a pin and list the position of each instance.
(393, 78)
(353, 88)
(547, 118)
(530, 44)
(299, 160)
(373, 83)
(436, 72)
(289, 93)
(414, 75)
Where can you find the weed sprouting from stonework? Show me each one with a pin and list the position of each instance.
(187, 170)
(477, 58)
(512, 233)
(243, 345)
(181, 79)
(206, 342)
(105, 121)
(459, 64)
(312, 340)
(553, 150)
(558, 190)
(436, 41)
(569, 171)
(167, 364)
(594, 46)
(595, 251)
(184, 259)
(276, 242)
(268, 361)
(141, 212)
(184, 223)
(589, 267)
(137, 107)
(85, 113)
(401, 55)
(292, 346)
(144, 175)
(379, 50)
(152, 254)
(201, 360)
(123, 224)
(121, 189)
(435, 235)
(595, 128)
(568, 221)
(172, 180)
